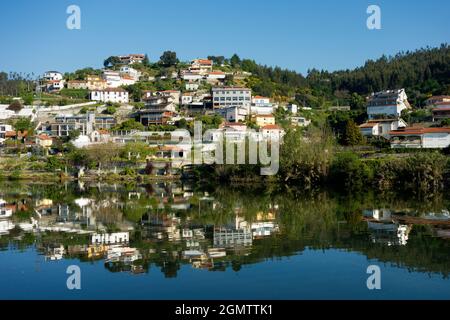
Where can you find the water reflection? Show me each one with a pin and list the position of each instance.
(169, 224)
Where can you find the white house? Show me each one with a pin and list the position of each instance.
(52, 75)
(53, 81)
(27, 112)
(131, 72)
(260, 101)
(233, 114)
(215, 76)
(192, 77)
(192, 86)
(115, 95)
(201, 66)
(387, 104)
(132, 58)
(186, 98)
(418, 137)
(381, 128)
(292, 108)
(5, 128)
(300, 122)
(112, 78)
(272, 131)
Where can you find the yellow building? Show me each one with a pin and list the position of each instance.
(264, 120)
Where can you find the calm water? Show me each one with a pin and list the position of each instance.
(179, 241)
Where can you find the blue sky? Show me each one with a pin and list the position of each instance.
(299, 35)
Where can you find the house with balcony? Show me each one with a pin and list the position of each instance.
(387, 104)
(419, 137)
(381, 127)
(159, 109)
(85, 123)
(436, 100)
(233, 113)
(441, 111)
(201, 66)
(53, 81)
(131, 59)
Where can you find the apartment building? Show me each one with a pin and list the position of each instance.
(85, 123)
(231, 97)
(387, 104)
(115, 95)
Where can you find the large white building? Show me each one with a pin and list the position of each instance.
(387, 104)
(232, 97)
(115, 95)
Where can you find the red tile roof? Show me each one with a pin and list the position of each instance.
(271, 127)
(419, 131)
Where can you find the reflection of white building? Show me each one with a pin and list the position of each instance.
(378, 214)
(123, 254)
(225, 237)
(389, 233)
(110, 238)
(5, 212)
(5, 226)
(384, 230)
(55, 253)
(264, 229)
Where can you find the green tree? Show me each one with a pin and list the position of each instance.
(146, 61)
(235, 61)
(111, 62)
(130, 124)
(15, 106)
(352, 134)
(168, 59)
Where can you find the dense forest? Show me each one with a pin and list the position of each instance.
(423, 73)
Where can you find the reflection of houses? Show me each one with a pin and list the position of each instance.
(125, 255)
(6, 210)
(6, 226)
(384, 230)
(110, 238)
(225, 237)
(389, 233)
(55, 253)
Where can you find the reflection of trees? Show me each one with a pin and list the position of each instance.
(318, 221)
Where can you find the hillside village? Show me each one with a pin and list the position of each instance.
(133, 101)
